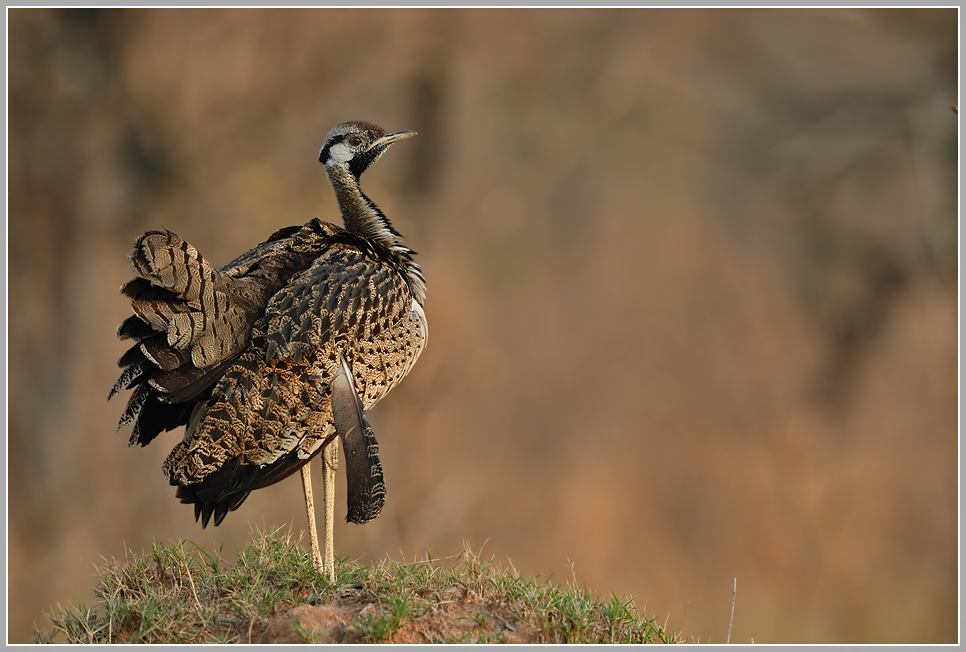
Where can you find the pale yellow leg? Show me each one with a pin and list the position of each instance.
(310, 508)
(330, 460)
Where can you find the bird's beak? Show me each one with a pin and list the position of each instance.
(389, 139)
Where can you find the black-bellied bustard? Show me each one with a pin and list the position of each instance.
(267, 359)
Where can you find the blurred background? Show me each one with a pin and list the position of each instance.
(692, 292)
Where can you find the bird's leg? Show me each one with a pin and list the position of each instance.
(330, 460)
(310, 508)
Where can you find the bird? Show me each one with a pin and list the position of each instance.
(276, 356)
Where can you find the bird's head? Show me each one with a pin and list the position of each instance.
(354, 146)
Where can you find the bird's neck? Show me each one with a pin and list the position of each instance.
(360, 214)
(363, 218)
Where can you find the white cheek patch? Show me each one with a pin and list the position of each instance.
(340, 153)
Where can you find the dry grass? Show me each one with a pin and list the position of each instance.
(271, 594)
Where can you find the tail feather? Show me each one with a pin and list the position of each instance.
(183, 292)
(156, 350)
(134, 405)
(186, 324)
(135, 328)
(129, 377)
(171, 263)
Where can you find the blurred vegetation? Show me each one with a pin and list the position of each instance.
(692, 291)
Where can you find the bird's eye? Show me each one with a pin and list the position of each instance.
(355, 141)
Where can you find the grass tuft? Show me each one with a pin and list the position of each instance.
(271, 594)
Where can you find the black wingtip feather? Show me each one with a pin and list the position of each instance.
(365, 486)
